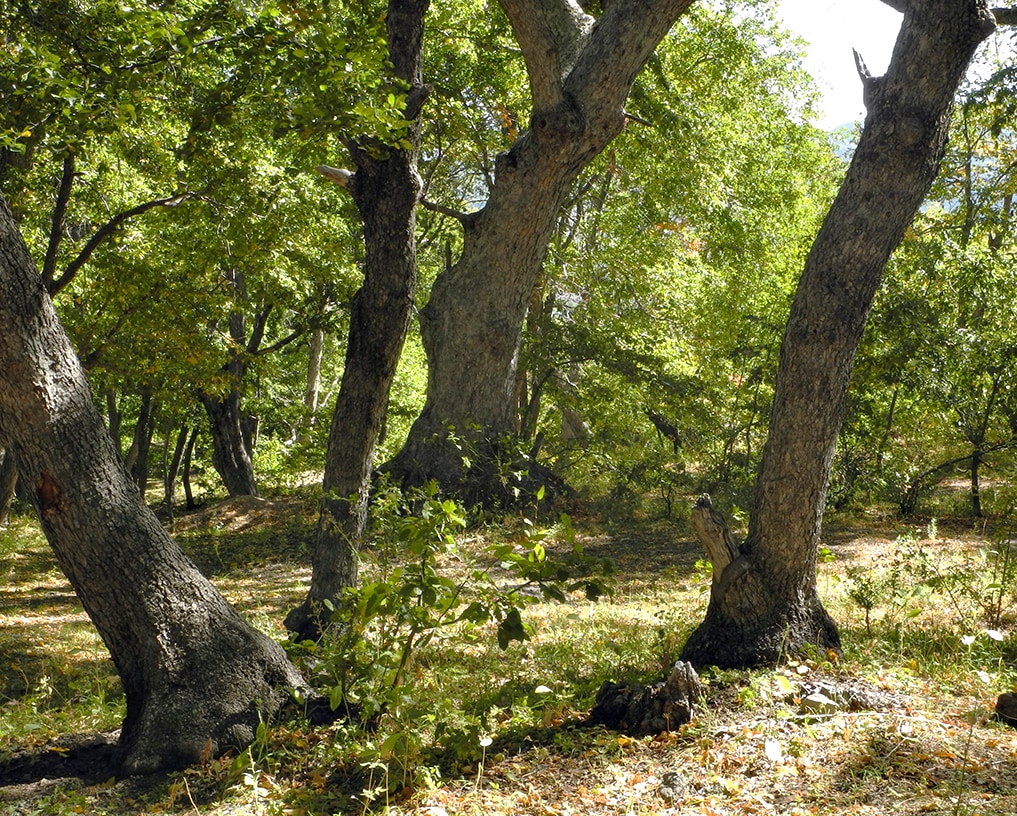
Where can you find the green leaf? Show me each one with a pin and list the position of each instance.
(511, 628)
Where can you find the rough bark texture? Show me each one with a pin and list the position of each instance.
(8, 484)
(141, 446)
(640, 710)
(312, 391)
(386, 192)
(230, 455)
(232, 442)
(770, 603)
(197, 678)
(580, 73)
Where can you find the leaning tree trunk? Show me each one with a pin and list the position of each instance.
(386, 191)
(197, 678)
(171, 467)
(765, 603)
(580, 72)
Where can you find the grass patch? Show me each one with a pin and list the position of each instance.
(475, 729)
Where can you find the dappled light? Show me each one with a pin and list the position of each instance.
(424, 408)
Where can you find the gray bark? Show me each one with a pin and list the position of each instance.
(8, 484)
(770, 603)
(386, 192)
(231, 456)
(197, 678)
(580, 74)
(315, 351)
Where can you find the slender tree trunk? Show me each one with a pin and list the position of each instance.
(315, 352)
(113, 418)
(8, 484)
(197, 679)
(141, 447)
(171, 469)
(976, 491)
(580, 73)
(233, 431)
(386, 192)
(185, 478)
(887, 429)
(766, 602)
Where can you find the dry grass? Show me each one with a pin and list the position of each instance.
(933, 748)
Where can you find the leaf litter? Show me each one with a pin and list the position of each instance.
(932, 746)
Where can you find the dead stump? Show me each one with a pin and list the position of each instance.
(640, 711)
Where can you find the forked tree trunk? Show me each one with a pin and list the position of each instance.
(197, 678)
(141, 447)
(766, 602)
(385, 191)
(580, 74)
(232, 430)
(231, 456)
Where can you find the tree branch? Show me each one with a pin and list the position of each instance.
(616, 50)
(278, 344)
(715, 537)
(1005, 16)
(56, 229)
(551, 34)
(871, 85)
(338, 175)
(258, 330)
(461, 217)
(104, 232)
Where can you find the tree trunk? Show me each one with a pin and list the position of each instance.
(976, 492)
(315, 351)
(141, 447)
(231, 456)
(113, 417)
(767, 602)
(170, 470)
(8, 484)
(580, 73)
(185, 478)
(386, 192)
(197, 679)
(232, 430)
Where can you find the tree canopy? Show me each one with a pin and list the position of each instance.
(588, 226)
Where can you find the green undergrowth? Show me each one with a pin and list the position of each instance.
(473, 655)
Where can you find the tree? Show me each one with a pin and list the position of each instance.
(197, 679)
(932, 389)
(665, 294)
(385, 188)
(580, 71)
(192, 103)
(765, 602)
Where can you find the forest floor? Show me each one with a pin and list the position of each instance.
(937, 650)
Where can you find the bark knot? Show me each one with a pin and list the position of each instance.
(48, 494)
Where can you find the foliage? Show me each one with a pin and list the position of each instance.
(666, 290)
(438, 590)
(749, 745)
(894, 587)
(976, 586)
(933, 389)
